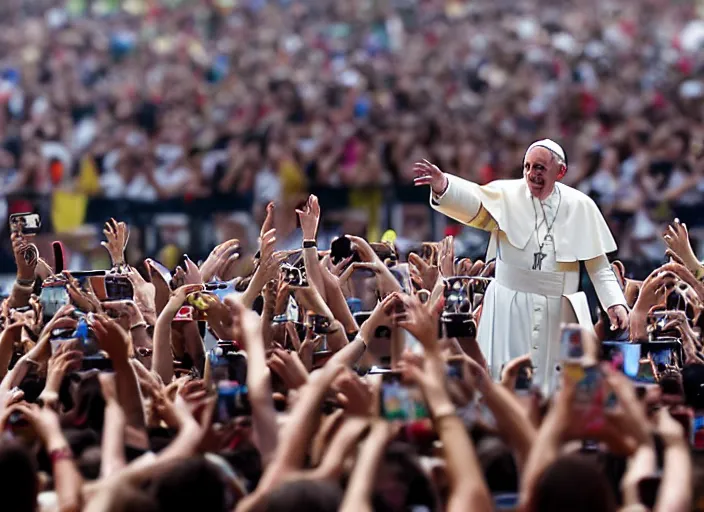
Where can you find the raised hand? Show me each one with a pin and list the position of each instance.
(446, 257)
(309, 217)
(268, 223)
(220, 260)
(117, 234)
(144, 295)
(429, 174)
(428, 273)
(26, 256)
(112, 338)
(411, 314)
(85, 300)
(679, 248)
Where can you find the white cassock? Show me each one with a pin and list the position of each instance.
(523, 308)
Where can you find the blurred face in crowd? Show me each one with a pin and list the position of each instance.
(541, 170)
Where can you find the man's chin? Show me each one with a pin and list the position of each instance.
(536, 190)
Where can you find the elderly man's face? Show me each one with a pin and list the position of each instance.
(541, 171)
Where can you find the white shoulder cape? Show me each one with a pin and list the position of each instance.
(580, 232)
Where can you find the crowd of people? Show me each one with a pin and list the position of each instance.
(267, 98)
(332, 380)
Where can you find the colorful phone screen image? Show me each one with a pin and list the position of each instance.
(590, 394)
(571, 344)
(233, 401)
(697, 435)
(624, 357)
(400, 402)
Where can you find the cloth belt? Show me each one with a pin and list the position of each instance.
(541, 282)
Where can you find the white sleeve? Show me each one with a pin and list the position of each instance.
(605, 283)
(459, 201)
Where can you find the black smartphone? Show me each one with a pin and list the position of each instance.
(455, 325)
(318, 323)
(340, 249)
(58, 249)
(399, 401)
(27, 224)
(457, 319)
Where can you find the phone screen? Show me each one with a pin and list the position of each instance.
(222, 289)
(118, 288)
(295, 276)
(361, 317)
(505, 501)
(697, 435)
(25, 223)
(590, 394)
(646, 371)
(624, 357)
(53, 298)
(318, 323)
(400, 402)
(571, 344)
(233, 401)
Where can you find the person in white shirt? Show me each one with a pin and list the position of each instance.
(540, 230)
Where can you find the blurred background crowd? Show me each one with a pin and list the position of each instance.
(185, 118)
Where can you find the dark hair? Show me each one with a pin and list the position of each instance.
(18, 477)
(192, 484)
(308, 495)
(575, 484)
(246, 461)
(401, 460)
(498, 465)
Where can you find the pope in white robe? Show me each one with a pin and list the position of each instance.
(540, 230)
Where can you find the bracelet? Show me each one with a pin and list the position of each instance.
(25, 283)
(138, 325)
(444, 415)
(310, 244)
(60, 454)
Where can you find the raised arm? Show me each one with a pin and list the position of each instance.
(450, 195)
